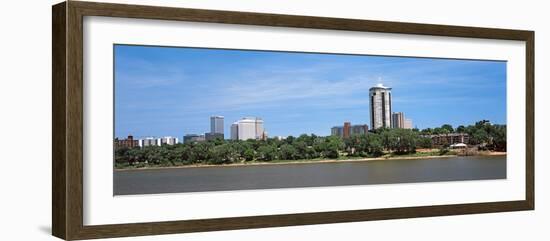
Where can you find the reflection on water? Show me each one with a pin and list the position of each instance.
(308, 175)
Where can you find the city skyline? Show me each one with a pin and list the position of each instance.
(161, 91)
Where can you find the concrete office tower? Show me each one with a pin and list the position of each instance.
(216, 124)
(398, 120)
(380, 106)
(248, 128)
(216, 128)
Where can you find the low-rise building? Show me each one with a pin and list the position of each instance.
(148, 141)
(348, 130)
(128, 142)
(359, 129)
(167, 140)
(449, 139)
(190, 138)
(213, 136)
(337, 131)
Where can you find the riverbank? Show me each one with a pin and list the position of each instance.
(309, 161)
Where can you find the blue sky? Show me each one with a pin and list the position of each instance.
(162, 91)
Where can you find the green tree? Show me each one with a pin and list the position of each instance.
(288, 152)
(499, 138)
(427, 131)
(425, 142)
(333, 146)
(374, 145)
(289, 140)
(248, 155)
(354, 145)
(121, 155)
(267, 153)
(222, 154)
(389, 139)
(479, 136)
(461, 129)
(447, 127)
(406, 141)
(301, 148)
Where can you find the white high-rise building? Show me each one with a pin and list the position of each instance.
(248, 128)
(216, 124)
(380, 106)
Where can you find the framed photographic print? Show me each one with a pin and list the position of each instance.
(171, 120)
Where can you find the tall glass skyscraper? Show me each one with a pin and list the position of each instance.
(380, 106)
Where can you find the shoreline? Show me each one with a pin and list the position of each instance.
(294, 162)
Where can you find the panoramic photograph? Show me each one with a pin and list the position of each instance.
(192, 119)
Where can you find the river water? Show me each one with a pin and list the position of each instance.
(177, 180)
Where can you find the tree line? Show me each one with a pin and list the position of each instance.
(482, 133)
(303, 147)
(291, 148)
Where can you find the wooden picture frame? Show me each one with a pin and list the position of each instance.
(67, 124)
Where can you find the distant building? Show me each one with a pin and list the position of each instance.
(408, 124)
(458, 146)
(264, 135)
(449, 139)
(398, 120)
(216, 125)
(213, 136)
(261, 134)
(235, 131)
(190, 138)
(167, 140)
(337, 131)
(380, 106)
(148, 141)
(348, 130)
(359, 129)
(128, 142)
(248, 128)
